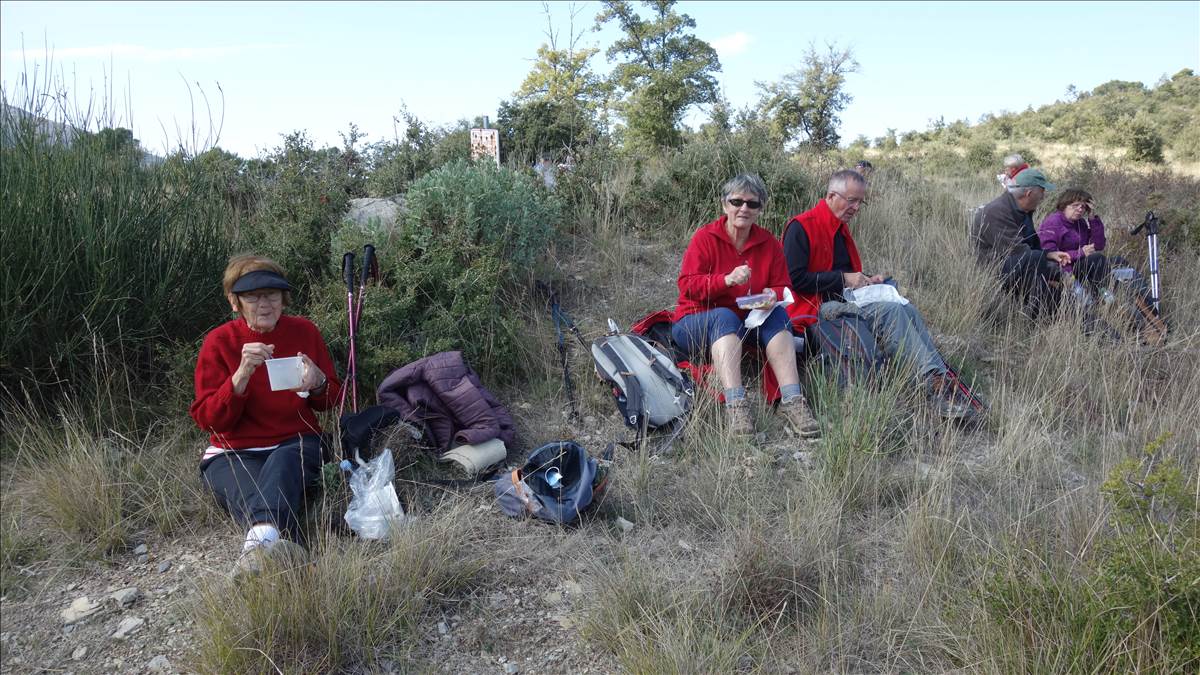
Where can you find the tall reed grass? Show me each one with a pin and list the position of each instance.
(102, 251)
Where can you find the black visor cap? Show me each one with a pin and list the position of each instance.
(259, 279)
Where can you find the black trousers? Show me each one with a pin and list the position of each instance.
(269, 486)
(1092, 270)
(1034, 279)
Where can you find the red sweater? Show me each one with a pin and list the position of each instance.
(711, 255)
(259, 417)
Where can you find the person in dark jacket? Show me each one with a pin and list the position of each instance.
(823, 260)
(1004, 239)
(1075, 229)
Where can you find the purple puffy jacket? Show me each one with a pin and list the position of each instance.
(445, 395)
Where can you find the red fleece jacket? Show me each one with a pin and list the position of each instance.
(711, 255)
(259, 417)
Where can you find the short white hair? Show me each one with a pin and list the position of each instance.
(839, 180)
(1014, 160)
(1019, 191)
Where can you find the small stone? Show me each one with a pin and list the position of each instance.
(590, 420)
(625, 525)
(684, 545)
(512, 668)
(79, 654)
(552, 597)
(159, 664)
(572, 588)
(127, 627)
(164, 566)
(443, 629)
(141, 549)
(126, 597)
(80, 609)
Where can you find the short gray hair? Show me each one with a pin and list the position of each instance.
(745, 182)
(839, 180)
(1012, 161)
(1019, 191)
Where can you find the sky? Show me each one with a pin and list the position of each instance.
(269, 68)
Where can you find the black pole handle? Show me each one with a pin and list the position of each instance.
(370, 266)
(348, 271)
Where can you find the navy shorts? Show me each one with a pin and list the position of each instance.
(695, 333)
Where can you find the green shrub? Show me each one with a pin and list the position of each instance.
(1132, 607)
(1144, 142)
(103, 256)
(470, 237)
(1148, 573)
(981, 154)
(304, 195)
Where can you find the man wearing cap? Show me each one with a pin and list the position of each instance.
(1005, 239)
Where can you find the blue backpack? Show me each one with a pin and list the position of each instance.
(555, 484)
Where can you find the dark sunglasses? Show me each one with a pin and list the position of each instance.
(737, 203)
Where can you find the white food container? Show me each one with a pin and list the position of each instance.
(285, 373)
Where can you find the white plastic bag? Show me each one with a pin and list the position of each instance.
(374, 507)
(873, 293)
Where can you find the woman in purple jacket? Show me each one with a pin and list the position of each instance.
(1075, 229)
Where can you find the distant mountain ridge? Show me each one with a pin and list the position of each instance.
(1156, 124)
(11, 117)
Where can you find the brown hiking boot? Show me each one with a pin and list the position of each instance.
(799, 418)
(738, 419)
(944, 396)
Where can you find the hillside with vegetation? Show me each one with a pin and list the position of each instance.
(1061, 535)
(1117, 120)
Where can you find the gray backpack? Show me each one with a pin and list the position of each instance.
(650, 391)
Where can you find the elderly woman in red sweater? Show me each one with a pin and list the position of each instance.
(264, 446)
(728, 258)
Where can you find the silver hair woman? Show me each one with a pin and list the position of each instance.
(728, 261)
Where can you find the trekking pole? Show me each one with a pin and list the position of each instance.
(348, 277)
(370, 270)
(1151, 225)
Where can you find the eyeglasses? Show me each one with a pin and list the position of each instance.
(853, 202)
(273, 297)
(737, 203)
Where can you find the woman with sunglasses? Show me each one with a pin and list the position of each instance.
(1075, 229)
(264, 448)
(726, 259)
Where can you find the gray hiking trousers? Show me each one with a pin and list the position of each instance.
(899, 331)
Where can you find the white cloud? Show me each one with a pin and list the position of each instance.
(734, 43)
(143, 53)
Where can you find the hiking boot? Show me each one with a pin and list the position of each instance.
(945, 397)
(280, 555)
(738, 419)
(799, 418)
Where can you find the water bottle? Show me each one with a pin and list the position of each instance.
(553, 477)
(1081, 294)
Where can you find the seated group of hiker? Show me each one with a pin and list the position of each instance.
(265, 444)
(1034, 263)
(816, 262)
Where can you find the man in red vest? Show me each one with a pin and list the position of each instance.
(823, 261)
